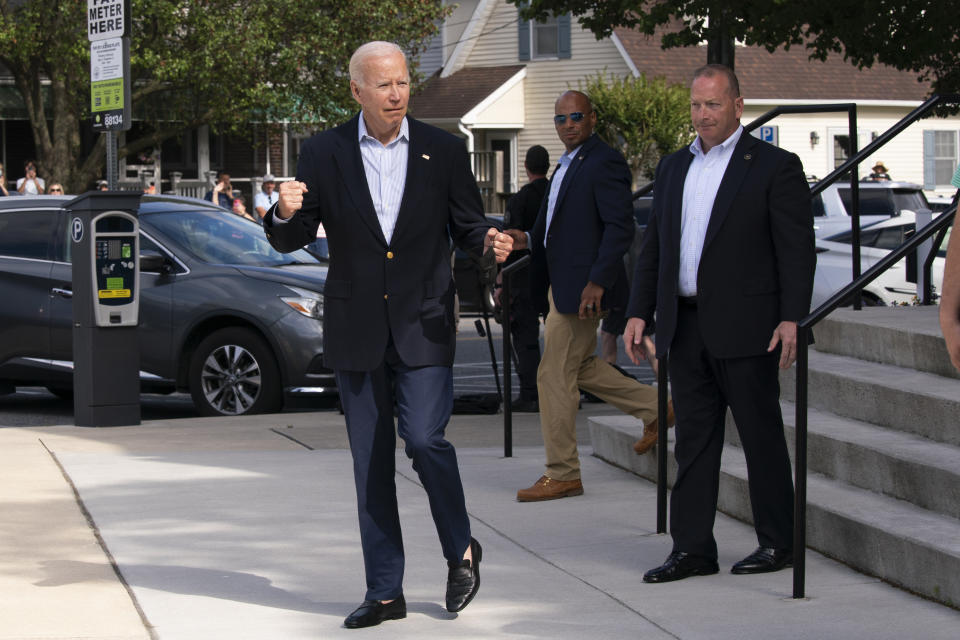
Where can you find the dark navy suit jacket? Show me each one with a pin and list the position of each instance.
(376, 289)
(591, 229)
(756, 268)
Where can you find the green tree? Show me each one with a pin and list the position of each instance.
(911, 35)
(225, 63)
(644, 119)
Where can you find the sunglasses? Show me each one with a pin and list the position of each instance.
(576, 116)
(56, 190)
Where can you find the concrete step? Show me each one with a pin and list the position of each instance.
(902, 336)
(894, 463)
(898, 398)
(894, 540)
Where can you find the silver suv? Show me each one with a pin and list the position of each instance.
(878, 201)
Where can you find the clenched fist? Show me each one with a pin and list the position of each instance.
(501, 242)
(290, 198)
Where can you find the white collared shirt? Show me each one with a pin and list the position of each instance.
(555, 181)
(386, 169)
(699, 193)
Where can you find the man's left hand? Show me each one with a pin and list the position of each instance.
(785, 335)
(590, 300)
(501, 243)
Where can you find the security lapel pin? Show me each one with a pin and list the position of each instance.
(425, 156)
(747, 156)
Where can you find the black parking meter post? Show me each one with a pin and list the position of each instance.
(106, 355)
(506, 276)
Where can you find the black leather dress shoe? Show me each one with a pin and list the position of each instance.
(764, 560)
(373, 612)
(463, 580)
(680, 565)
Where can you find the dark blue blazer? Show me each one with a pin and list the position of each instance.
(375, 288)
(758, 259)
(592, 228)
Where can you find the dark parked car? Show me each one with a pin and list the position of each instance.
(222, 314)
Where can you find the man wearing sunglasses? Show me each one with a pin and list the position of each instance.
(582, 232)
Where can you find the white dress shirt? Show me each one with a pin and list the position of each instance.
(699, 192)
(386, 169)
(555, 181)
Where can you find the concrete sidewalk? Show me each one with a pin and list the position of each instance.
(246, 528)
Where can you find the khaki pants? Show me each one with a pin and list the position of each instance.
(567, 365)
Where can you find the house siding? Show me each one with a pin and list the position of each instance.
(903, 155)
(545, 79)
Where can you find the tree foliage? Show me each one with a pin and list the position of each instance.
(911, 35)
(644, 119)
(225, 63)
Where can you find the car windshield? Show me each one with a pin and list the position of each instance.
(222, 238)
(884, 202)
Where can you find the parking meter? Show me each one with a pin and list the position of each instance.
(105, 247)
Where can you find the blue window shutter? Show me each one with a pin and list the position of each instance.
(929, 165)
(563, 36)
(523, 38)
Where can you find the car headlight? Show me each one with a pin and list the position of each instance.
(309, 303)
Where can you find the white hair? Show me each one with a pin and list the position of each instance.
(364, 52)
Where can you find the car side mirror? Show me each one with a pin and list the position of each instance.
(154, 261)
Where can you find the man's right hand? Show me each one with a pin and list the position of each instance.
(291, 198)
(633, 340)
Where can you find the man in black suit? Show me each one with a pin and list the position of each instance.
(522, 210)
(727, 265)
(584, 227)
(390, 192)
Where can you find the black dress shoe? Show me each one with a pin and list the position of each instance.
(373, 612)
(463, 580)
(680, 565)
(764, 560)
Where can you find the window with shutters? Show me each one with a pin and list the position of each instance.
(545, 40)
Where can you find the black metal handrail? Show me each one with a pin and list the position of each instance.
(939, 227)
(507, 277)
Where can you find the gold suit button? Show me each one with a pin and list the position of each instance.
(389, 255)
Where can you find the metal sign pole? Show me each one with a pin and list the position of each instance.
(111, 160)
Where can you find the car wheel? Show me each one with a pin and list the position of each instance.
(233, 372)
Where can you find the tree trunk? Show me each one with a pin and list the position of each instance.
(720, 45)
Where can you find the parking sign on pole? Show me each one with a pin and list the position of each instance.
(108, 30)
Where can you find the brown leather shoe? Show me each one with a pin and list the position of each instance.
(549, 489)
(649, 437)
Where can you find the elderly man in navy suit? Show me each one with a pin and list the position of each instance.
(390, 193)
(584, 227)
(727, 265)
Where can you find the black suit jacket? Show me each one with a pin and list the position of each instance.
(591, 229)
(375, 288)
(758, 259)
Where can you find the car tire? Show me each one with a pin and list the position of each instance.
(234, 372)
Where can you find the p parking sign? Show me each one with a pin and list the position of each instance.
(768, 133)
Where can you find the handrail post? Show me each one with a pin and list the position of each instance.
(855, 202)
(662, 427)
(800, 467)
(507, 373)
(506, 276)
